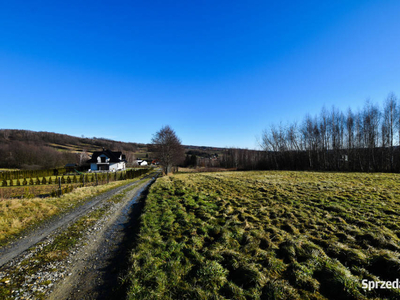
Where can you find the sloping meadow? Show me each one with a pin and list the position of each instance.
(268, 235)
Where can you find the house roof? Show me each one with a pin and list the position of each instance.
(113, 156)
(70, 165)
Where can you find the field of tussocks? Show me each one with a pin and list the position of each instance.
(268, 235)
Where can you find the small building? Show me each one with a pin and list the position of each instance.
(70, 168)
(140, 162)
(107, 160)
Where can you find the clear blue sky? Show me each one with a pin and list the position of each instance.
(218, 72)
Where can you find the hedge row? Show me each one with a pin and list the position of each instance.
(21, 174)
(95, 177)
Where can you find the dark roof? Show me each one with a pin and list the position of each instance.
(70, 165)
(113, 156)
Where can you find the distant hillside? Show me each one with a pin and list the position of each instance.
(33, 150)
(65, 142)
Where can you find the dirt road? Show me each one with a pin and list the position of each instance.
(92, 267)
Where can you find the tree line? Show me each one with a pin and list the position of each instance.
(366, 140)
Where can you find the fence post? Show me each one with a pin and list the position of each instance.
(59, 186)
(83, 180)
(97, 181)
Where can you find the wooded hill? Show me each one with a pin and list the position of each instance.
(33, 150)
(26, 149)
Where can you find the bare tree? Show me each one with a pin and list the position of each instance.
(390, 123)
(6, 134)
(83, 157)
(130, 158)
(350, 136)
(323, 125)
(271, 141)
(371, 117)
(168, 148)
(293, 137)
(308, 136)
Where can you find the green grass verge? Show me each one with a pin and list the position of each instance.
(268, 235)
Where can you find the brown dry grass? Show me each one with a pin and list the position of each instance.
(17, 215)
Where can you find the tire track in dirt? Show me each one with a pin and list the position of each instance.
(96, 267)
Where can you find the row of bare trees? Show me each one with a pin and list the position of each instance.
(244, 159)
(366, 140)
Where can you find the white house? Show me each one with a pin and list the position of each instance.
(140, 162)
(107, 160)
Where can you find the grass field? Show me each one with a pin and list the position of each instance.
(268, 235)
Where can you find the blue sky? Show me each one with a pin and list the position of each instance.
(217, 72)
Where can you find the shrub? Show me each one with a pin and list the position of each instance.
(27, 194)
